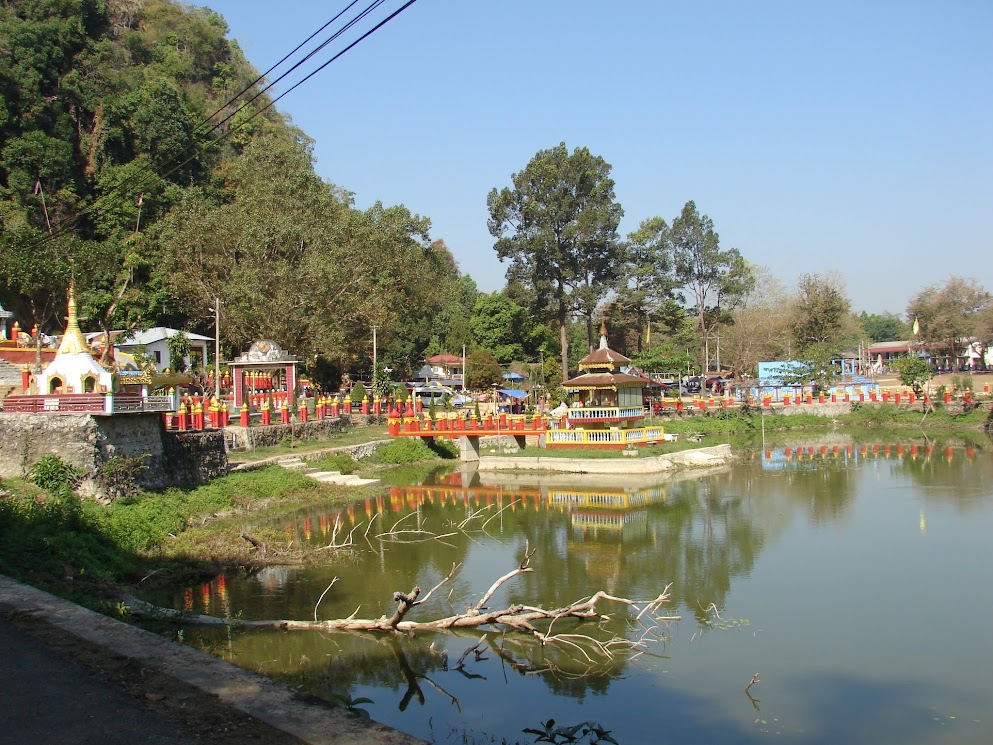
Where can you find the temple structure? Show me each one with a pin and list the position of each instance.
(606, 398)
(74, 370)
(265, 361)
(74, 382)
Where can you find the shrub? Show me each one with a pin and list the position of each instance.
(54, 475)
(405, 450)
(358, 393)
(341, 462)
(118, 476)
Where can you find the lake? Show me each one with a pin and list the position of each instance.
(852, 576)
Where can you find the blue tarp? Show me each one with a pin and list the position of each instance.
(513, 393)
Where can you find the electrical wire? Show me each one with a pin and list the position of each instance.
(153, 171)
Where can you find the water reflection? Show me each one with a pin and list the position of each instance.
(768, 538)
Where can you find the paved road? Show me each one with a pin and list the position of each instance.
(139, 688)
(47, 698)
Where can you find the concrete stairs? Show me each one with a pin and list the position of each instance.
(295, 463)
(10, 379)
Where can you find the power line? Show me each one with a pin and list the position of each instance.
(138, 182)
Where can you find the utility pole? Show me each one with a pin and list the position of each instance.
(374, 359)
(217, 348)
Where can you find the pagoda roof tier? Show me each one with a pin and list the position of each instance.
(600, 381)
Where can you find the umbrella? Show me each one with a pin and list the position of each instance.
(511, 393)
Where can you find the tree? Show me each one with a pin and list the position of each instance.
(762, 327)
(821, 310)
(716, 279)
(883, 327)
(557, 227)
(665, 359)
(950, 315)
(913, 370)
(483, 369)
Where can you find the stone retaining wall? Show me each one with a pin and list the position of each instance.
(85, 441)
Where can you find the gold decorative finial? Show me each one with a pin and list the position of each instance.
(73, 341)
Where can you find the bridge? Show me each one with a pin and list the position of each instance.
(466, 430)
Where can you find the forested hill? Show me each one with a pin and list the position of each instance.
(114, 176)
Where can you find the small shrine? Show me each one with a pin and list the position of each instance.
(74, 382)
(265, 367)
(74, 370)
(606, 397)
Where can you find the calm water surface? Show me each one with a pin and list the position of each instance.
(853, 578)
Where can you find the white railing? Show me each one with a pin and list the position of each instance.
(158, 403)
(599, 413)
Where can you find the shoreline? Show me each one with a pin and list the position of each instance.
(705, 457)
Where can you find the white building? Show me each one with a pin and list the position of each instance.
(155, 342)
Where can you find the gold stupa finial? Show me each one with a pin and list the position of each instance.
(73, 341)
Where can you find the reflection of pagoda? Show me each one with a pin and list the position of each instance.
(607, 513)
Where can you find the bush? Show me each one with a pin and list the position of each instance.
(118, 476)
(54, 475)
(405, 450)
(341, 462)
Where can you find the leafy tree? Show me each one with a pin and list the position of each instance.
(558, 228)
(179, 349)
(883, 327)
(667, 359)
(951, 313)
(715, 279)
(482, 368)
(821, 309)
(913, 370)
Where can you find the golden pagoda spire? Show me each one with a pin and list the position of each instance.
(73, 341)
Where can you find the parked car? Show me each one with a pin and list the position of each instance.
(717, 384)
(691, 384)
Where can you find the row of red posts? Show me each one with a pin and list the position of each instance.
(406, 421)
(197, 414)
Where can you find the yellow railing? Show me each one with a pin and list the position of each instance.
(615, 437)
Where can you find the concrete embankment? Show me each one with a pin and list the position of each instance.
(40, 696)
(707, 457)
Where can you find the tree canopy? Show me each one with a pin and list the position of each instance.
(557, 226)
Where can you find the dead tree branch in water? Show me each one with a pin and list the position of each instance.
(516, 617)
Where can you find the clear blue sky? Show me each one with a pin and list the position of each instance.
(850, 136)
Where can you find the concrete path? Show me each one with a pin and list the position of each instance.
(47, 698)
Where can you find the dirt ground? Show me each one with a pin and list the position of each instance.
(183, 705)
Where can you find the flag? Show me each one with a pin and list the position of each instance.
(141, 199)
(648, 335)
(917, 326)
(37, 186)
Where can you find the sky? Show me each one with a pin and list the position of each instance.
(847, 136)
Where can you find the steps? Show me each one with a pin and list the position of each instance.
(10, 375)
(295, 463)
